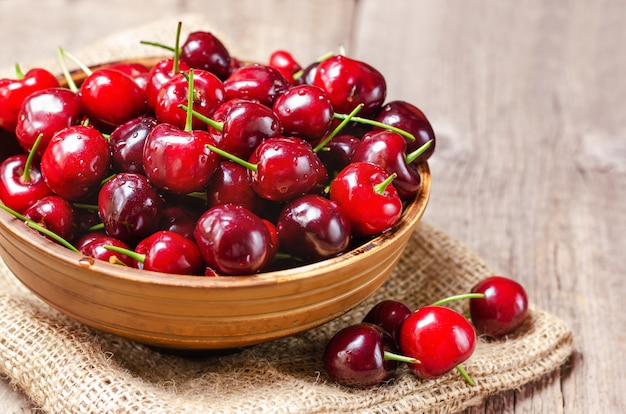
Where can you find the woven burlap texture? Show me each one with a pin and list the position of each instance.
(65, 367)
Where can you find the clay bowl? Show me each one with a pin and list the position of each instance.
(204, 313)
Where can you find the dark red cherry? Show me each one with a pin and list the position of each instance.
(127, 143)
(388, 314)
(159, 75)
(46, 112)
(355, 356)
(169, 252)
(75, 162)
(93, 245)
(312, 228)
(17, 189)
(337, 154)
(55, 214)
(285, 63)
(130, 207)
(439, 337)
(304, 111)
(503, 309)
(233, 240)
(111, 97)
(13, 92)
(408, 117)
(179, 219)
(256, 82)
(203, 50)
(349, 82)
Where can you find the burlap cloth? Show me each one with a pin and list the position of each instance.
(65, 367)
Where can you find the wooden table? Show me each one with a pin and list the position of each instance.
(527, 100)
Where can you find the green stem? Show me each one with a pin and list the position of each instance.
(80, 64)
(29, 160)
(459, 297)
(159, 45)
(176, 50)
(200, 195)
(390, 356)
(130, 253)
(372, 122)
(66, 73)
(95, 227)
(189, 118)
(219, 126)
(232, 157)
(412, 156)
(338, 129)
(381, 187)
(465, 375)
(19, 74)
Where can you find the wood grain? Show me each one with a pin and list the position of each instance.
(527, 103)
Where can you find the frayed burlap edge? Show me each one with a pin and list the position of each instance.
(65, 367)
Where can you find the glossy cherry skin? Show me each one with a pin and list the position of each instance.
(439, 337)
(92, 245)
(179, 219)
(13, 92)
(208, 94)
(56, 215)
(389, 315)
(304, 111)
(127, 143)
(388, 149)
(312, 228)
(137, 71)
(203, 50)
(349, 82)
(408, 117)
(354, 356)
(178, 161)
(75, 162)
(170, 252)
(284, 62)
(256, 82)
(46, 112)
(161, 73)
(287, 168)
(130, 207)
(111, 97)
(244, 125)
(503, 309)
(369, 212)
(337, 154)
(16, 191)
(233, 240)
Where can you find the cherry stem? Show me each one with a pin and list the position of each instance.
(297, 75)
(159, 45)
(66, 73)
(80, 64)
(219, 126)
(412, 156)
(82, 206)
(189, 118)
(41, 229)
(99, 226)
(338, 129)
(232, 157)
(381, 187)
(459, 297)
(176, 50)
(19, 75)
(29, 160)
(465, 376)
(372, 122)
(390, 356)
(130, 253)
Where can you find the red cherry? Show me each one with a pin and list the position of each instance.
(285, 63)
(179, 219)
(256, 82)
(503, 308)
(161, 73)
(55, 214)
(203, 50)
(169, 252)
(390, 315)
(17, 190)
(75, 162)
(137, 71)
(93, 245)
(439, 337)
(304, 111)
(337, 154)
(127, 143)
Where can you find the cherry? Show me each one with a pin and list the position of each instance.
(55, 214)
(388, 314)
(312, 228)
(256, 82)
(439, 337)
(130, 208)
(285, 63)
(179, 219)
(93, 244)
(350, 82)
(364, 191)
(137, 71)
(361, 355)
(203, 50)
(161, 73)
(13, 92)
(503, 308)
(337, 154)
(233, 240)
(75, 162)
(127, 143)
(408, 117)
(387, 149)
(44, 113)
(304, 111)
(111, 97)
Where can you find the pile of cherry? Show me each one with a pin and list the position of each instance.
(433, 340)
(201, 164)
